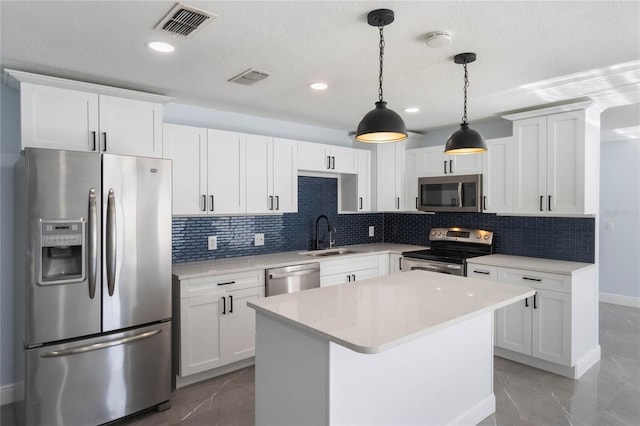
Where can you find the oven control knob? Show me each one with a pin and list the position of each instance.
(433, 233)
(478, 236)
(486, 237)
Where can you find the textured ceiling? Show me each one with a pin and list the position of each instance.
(529, 53)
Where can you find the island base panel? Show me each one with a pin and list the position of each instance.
(442, 378)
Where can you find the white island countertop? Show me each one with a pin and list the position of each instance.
(205, 268)
(551, 266)
(381, 313)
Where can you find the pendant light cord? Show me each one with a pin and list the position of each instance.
(381, 61)
(466, 84)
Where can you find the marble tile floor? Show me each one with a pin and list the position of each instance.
(608, 394)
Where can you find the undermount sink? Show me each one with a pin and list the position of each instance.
(330, 252)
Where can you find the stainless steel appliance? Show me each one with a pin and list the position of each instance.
(450, 193)
(289, 279)
(92, 286)
(450, 248)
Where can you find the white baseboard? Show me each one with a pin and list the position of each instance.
(618, 299)
(7, 393)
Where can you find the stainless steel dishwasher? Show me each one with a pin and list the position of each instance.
(289, 279)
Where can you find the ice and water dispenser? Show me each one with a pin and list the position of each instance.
(61, 253)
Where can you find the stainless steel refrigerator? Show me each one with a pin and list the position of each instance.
(92, 286)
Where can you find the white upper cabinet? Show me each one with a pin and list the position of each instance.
(497, 180)
(226, 174)
(556, 161)
(187, 148)
(326, 158)
(390, 177)
(437, 163)
(64, 114)
(208, 170)
(355, 190)
(272, 182)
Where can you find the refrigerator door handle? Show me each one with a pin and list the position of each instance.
(93, 243)
(111, 242)
(101, 345)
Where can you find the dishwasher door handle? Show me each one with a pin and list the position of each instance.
(277, 276)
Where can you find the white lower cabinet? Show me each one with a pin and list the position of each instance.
(216, 326)
(394, 263)
(556, 329)
(349, 270)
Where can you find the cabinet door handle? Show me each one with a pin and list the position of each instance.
(333, 167)
(211, 199)
(270, 202)
(416, 203)
(230, 304)
(541, 198)
(349, 278)
(450, 166)
(224, 305)
(94, 141)
(360, 203)
(204, 203)
(277, 202)
(526, 302)
(484, 202)
(445, 167)
(398, 202)
(227, 283)
(354, 277)
(532, 279)
(104, 135)
(535, 301)
(328, 162)
(476, 271)
(549, 202)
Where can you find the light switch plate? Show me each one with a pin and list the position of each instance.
(372, 231)
(258, 240)
(213, 242)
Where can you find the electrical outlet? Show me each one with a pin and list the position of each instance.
(372, 231)
(258, 240)
(213, 242)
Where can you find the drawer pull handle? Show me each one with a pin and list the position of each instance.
(227, 283)
(481, 272)
(532, 279)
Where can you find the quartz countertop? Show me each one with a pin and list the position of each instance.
(205, 268)
(378, 314)
(552, 266)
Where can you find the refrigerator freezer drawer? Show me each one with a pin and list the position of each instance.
(98, 380)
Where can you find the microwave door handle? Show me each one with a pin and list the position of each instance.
(459, 194)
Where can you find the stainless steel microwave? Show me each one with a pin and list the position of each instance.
(450, 193)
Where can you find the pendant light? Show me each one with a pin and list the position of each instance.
(381, 124)
(465, 140)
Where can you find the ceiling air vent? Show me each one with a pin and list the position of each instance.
(249, 77)
(185, 20)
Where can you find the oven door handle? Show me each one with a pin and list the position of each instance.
(426, 268)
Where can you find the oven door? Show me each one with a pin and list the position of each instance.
(408, 264)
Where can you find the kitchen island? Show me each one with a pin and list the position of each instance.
(410, 348)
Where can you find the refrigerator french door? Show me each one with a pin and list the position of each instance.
(93, 286)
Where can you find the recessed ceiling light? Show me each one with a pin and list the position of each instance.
(160, 46)
(319, 86)
(411, 110)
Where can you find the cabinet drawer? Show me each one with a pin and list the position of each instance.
(538, 280)
(221, 283)
(350, 265)
(482, 272)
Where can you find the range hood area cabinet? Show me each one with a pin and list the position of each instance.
(208, 170)
(556, 160)
(56, 113)
(432, 161)
(497, 182)
(390, 182)
(355, 189)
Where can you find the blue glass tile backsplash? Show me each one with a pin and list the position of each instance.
(287, 232)
(557, 238)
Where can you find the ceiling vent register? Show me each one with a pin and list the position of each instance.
(185, 20)
(249, 77)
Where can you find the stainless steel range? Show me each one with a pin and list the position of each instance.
(450, 247)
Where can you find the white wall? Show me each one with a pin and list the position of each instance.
(620, 207)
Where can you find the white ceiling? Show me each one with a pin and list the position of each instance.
(529, 53)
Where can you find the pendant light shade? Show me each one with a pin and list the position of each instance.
(465, 140)
(381, 124)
